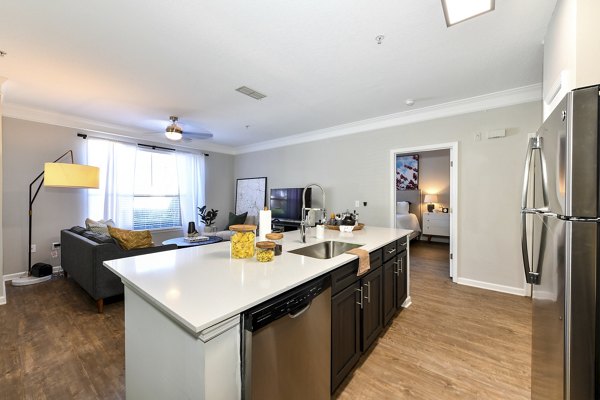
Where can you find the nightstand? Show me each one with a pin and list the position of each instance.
(436, 224)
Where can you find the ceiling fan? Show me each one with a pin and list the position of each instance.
(175, 133)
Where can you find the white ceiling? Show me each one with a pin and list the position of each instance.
(130, 64)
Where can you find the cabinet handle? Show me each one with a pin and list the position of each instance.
(368, 297)
(396, 269)
(403, 244)
(391, 251)
(361, 297)
(401, 265)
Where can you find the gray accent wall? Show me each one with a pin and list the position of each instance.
(358, 167)
(27, 145)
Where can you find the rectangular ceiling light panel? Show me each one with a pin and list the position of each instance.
(457, 11)
(251, 92)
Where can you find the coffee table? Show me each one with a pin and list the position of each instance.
(180, 241)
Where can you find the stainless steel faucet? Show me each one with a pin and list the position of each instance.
(306, 220)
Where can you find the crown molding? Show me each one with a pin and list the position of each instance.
(17, 111)
(504, 98)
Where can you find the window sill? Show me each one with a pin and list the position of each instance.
(167, 230)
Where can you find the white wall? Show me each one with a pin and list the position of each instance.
(357, 167)
(27, 145)
(2, 295)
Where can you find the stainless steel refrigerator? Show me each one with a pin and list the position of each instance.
(560, 222)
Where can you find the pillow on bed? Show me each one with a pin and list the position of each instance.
(402, 207)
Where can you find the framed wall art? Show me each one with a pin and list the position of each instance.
(407, 172)
(250, 195)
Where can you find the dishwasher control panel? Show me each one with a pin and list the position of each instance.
(287, 303)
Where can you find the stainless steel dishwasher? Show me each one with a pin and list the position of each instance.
(286, 345)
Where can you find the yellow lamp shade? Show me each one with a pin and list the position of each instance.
(71, 175)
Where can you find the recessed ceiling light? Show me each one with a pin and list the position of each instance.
(410, 102)
(457, 11)
(379, 38)
(251, 92)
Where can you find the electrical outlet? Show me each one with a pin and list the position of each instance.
(33, 248)
(356, 203)
(55, 245)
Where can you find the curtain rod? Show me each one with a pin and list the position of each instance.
(150, 146)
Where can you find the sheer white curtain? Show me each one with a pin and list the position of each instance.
(191, 173)
(114, 198)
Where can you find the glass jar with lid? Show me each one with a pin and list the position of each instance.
(242, 241)
(276, 238)
(265, 251)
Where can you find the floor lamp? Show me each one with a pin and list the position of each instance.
(63, 175)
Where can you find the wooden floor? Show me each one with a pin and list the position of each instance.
(54, 344)
(453, 342)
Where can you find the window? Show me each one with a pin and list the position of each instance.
(156, 192)
(145, 189)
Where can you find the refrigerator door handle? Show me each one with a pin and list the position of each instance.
(534, 145)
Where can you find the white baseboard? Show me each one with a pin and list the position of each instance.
(10, 277)
(2, 299)
(492, 286)
(407, 302)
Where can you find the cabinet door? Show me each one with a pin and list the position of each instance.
(389, 290)
(372, 317)
(401, 279)
(345, 333)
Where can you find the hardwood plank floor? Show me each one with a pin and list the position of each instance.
(54, 344)
(454, 342)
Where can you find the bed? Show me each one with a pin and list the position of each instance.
(408, 211)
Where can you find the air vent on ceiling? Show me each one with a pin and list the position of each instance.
(250, 92)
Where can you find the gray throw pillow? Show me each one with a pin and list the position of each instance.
(237, 219)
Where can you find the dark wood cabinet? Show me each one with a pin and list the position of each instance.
(371, 321)
(359, 306)
(394, 278)
(345, 332)
(401, 264)
(389, 290)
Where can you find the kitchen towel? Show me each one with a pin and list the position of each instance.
(264, 222)
(364, 264)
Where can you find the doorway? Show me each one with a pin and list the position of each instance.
(448, 199)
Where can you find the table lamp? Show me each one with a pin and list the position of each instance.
(430, 199)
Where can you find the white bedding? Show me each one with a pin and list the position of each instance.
(408, 221)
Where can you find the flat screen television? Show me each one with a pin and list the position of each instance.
(286, 203)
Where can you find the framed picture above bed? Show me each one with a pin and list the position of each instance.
(407, 172)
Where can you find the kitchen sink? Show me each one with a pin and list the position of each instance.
(325, 250)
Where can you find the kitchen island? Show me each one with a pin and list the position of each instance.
(182, 310)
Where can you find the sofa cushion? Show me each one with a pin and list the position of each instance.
(99, 226)
(237, 219)
(93, 236)
(131, 239)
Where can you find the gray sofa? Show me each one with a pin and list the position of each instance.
(83, 252)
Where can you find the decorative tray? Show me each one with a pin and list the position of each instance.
(357, 227)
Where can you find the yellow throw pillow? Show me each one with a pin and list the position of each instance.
(131, 239)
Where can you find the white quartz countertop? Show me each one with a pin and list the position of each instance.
(201, 286)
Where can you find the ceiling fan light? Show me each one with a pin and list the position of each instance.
(457, 11)
(173, 134)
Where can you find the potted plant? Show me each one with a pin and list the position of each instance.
(208, 218)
